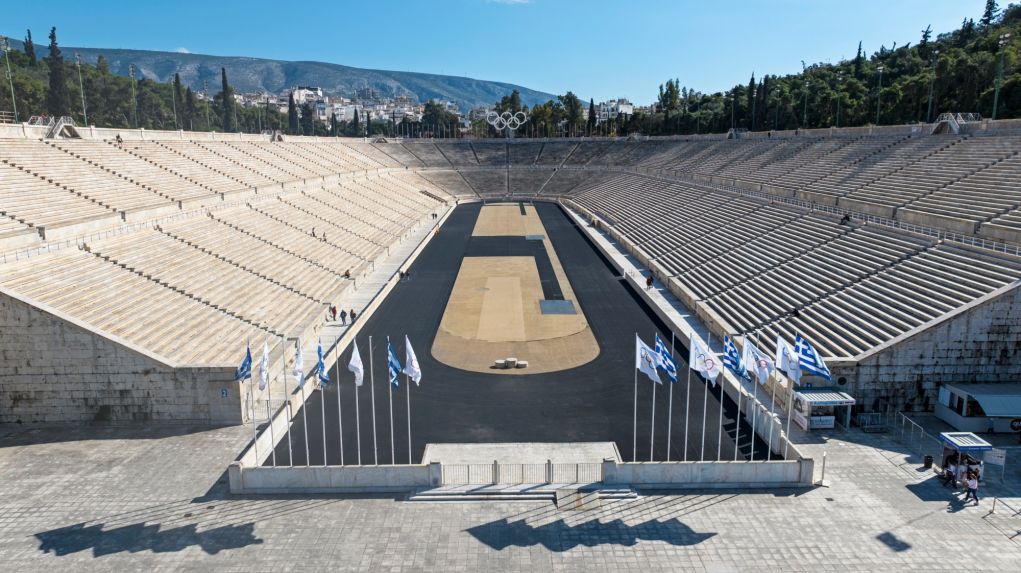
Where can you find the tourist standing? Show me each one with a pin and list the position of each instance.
(971, 482)
(343, 317)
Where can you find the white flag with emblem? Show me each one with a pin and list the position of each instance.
(355, 365)
(411, 367)
(703, 361)
(756, 362)
(787, 360)
(645, 360)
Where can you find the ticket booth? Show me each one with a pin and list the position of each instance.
(819, 408)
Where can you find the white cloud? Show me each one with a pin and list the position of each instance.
(182, 50)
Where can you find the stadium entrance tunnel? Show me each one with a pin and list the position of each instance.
(585, 394)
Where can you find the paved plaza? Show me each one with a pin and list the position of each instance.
(133, 498)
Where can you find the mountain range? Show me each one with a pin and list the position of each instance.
(248, 75)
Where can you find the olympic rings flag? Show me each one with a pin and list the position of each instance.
(506, 120)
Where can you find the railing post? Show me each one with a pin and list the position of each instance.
(496, 472)
(549, 471)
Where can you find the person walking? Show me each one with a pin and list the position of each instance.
(343, 317)
(353, 316)
(971, 482)
(333, 312)
(648, 281)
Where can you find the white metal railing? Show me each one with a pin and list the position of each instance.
(917, 439)
(496, 473)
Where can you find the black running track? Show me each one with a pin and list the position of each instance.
(593, 402)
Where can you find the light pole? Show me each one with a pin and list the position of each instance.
(932, 80)
(5, 46)
(1004, 38)
(879, 92)
(840, 93)
(755, 92)
(776, 112)
(804, 122)
(81, 86)
(134, 100)
(205, 97)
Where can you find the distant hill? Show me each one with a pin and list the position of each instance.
(255, 74)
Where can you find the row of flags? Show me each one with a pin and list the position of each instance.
(411, 367)
(802, 357)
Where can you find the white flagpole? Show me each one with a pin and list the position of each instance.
(358, 424)
(407, 384)
(737, 425)
(772, 403)
(304, 413)
(269, 416)
(705, 409)
(390, 391)
(755, 400)
(290, 417)
(719, 429)
(372, 389)
(652, 432)
(634, 433)
(790, 406)
(340, 417)
(322, 403)
(670, 401)
(687, 405)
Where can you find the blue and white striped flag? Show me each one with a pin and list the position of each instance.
(393, 365)
(732, 358)
(810, 360)
(664, 361)
(321, 372)
(244, 371)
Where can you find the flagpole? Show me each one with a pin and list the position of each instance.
(340, 416)
(269, 416)
(705, 409)
(652, 432)
(719, 429)
(687, 406)
(372, 389)
(772, 403)
(670, 401)
(322, 403)
(737, 421)
(255, 425)
(290, 417)
(790, 406)
(634, 434)
(755, 401)
(358, 426)
(304, 412)
(407, 385)
(390, 391)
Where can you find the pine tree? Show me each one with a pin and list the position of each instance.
(292, 115)
(30, 49)
(859, 62)
(102, 66)
(990, 14)
(356, 129)
(227, 95)
(308, 126)
(749, 119)
(58, 100)
(591, 114)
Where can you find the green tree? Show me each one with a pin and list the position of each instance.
(30, 48)
(308, 118)
(292, 115)
(227, 103)
(356, 129)
(591, 115)
(990, 13)
(572, 111)
(859, 63)
(58, 101)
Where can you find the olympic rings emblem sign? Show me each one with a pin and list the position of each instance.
(506, 120)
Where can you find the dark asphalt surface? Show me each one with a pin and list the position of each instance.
(593, 402)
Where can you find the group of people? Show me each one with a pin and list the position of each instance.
(343, 315)
(967, 472)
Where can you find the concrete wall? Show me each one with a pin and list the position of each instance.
(979, 342)
(708, 475)
(333, 479)
(54, 369)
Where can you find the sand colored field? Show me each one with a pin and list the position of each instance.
(493, 311)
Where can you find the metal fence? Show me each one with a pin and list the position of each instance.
(917, 439)
(497, 473)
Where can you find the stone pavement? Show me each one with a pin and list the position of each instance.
(135, 498)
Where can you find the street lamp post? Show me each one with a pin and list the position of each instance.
(840, 93)
(81, 86)
(134, 100)
(205, 96)
(932, 80)
(1004, 38)
(879, 92)
(5, 46)
(804, 121)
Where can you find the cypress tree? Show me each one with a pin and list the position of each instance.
(292, 115)
(191, 108)
(591, 114)
(749, 119)
(356, 129)
(30, 48)
(859, 61)
(308, 126)
(228, 103)
(58, 101)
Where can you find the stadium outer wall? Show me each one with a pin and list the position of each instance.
(57, 370)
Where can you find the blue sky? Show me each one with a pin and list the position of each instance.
(597, 48)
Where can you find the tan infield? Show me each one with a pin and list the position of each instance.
(493, 311)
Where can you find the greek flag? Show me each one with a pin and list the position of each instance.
(392, 364)
(321, 372)
(664, 361)
(244, 371)
(732, 358)
(810, 360)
